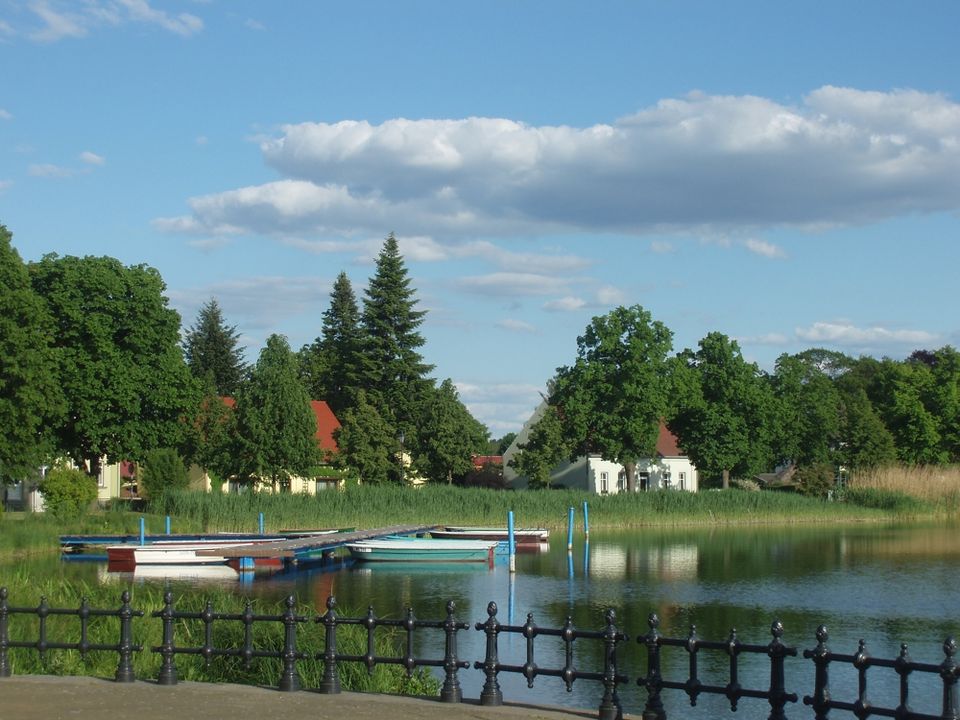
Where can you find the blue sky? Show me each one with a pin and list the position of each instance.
(787, 174)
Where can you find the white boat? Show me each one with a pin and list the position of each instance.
(520, 535)
(422, 550)
(170, 553)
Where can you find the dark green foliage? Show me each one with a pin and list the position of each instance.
(816, 480)
(450, 436)
(395, 376)
(126, 385)
(890, 501)
(332, 366)
(368, 446)
(611, 401)
(67, 493)
(499, 447)
(490, 476)
(211, 350)
(866, 442)
(162, 470)
(211, 439)
(544, 448)
(808, 412)
(276, 427)
(726, 423)
(30, 396)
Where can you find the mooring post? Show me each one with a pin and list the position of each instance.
(511, 544)
(143, 531)
(260, 522)
(570, 530)
(586, 521)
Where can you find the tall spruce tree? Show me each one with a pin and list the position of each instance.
(333, 364)
(211, 350)
(276, 427)
(29, 391)
(395, 376)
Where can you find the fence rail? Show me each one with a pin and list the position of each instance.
(609, 640)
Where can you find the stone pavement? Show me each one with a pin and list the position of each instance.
(41, 697)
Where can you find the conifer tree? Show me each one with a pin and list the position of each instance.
(211, 350)
(332, 365)
(395, 376)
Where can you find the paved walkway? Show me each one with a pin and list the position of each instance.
(40, 697)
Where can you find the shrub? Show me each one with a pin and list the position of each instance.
(163, 470)
(67, 493)
(815, 480)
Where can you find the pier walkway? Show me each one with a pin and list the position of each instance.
(41, 697)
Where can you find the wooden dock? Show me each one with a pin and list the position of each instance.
(305, 547)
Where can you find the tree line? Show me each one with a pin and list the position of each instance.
(94, 366)
(819, 409)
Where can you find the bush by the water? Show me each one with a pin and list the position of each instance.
(67, 493)
(163, 470)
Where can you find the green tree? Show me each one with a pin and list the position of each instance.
(30, 397)
(543, 450)
(276, 427)
(808, 413)
(162, 470)
(126, 386)
(211, 440)
(367, 444)
(942, 396)
(67, 493)
(450, 436)
(725, 424)
(211, 349)
(499, 447)
(612, 399)
(395, 376)
(864, 439)
(333, 364)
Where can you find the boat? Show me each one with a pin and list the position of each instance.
(521, 536)
(171, 553)
(422, 550)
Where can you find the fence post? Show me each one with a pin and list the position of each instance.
(168, 668)
(450, 692)
(491, 694)
(610, 708)
(948, 673)
(653, 710)
(330, 684)
(4, 635)
(125, 672)
(289, 680)
(820, 702)
(778, 692)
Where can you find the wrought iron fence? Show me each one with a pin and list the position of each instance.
(610, 640)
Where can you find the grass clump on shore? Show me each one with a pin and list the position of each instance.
(25, 591)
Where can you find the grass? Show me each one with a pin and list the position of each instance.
(25, 591)
(934, 485)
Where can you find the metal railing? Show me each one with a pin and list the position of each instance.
(609, 641)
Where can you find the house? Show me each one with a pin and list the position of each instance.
(669, 468)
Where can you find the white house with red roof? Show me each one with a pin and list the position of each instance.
(668, 469)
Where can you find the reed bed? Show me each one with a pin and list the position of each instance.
(25, 590)
(938, 485)
(373, 506)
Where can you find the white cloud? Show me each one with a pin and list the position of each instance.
(6, 29)
(201, 140)
(609, 296)
(502, 407)
(517, 326)
(91, 158)
(761, 247)
(722, 163)
(661, 247)
(565, 304)
(845, 333)
(5, 114)
(75, 20)
(49, 170)
(513, 284)
(5, 185)
(775, 339)
(254, 24)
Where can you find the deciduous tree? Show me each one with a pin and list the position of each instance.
(450, 436)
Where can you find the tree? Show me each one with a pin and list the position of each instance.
(126, 386)
(612, 399)
(499, 447)
(724, 425)
(864, 439)
(450, 436)
(808, 411)
(30, 397)
(395, 376)
(67, 493)
(212, 352)
(211, 440)
(367, 444)
(162, 470)
(544, 448)
(276, 427)
(333, 364)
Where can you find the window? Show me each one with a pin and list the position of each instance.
(604, 482)
(644, 481)
(102, 478)
(682, 477)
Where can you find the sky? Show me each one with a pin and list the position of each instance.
(787, 174)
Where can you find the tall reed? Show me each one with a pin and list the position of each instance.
(938, 485)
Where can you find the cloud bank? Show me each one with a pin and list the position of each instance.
(699, 163)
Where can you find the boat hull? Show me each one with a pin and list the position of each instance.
(422, 550)
(521, 536)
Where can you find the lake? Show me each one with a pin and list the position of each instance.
(886, 585)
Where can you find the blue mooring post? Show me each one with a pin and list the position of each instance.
(168, 524)
(570, 531)
(511, 545)
(586, 521)
(260, 522)
(143, 531)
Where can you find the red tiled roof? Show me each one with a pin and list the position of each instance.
(667, 443)
(480, 460)
(327, 423)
